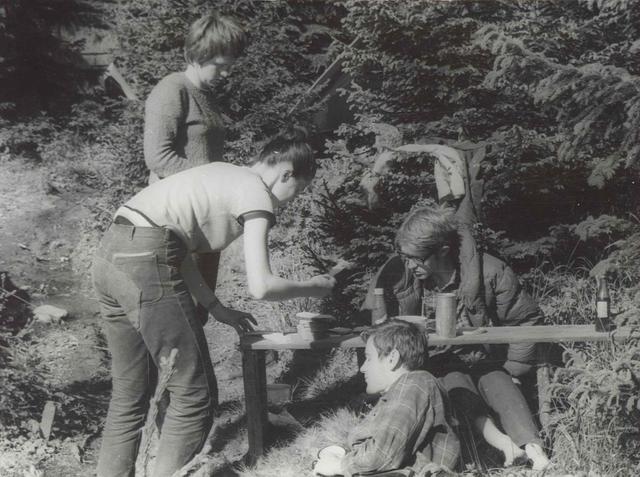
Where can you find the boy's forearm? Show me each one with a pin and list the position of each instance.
(277, 288)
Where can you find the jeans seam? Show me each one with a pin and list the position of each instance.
(204, 362)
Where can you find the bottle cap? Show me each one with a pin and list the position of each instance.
(378, 291)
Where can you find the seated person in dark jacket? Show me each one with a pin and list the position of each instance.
(438, 254)
(410, 426)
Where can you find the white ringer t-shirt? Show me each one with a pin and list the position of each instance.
(206, 205)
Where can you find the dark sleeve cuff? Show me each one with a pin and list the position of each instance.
(252, 214)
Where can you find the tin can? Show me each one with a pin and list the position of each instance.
(446, 315)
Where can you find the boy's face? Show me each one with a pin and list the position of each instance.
(377, 370)
(214, 69)
(422, 266)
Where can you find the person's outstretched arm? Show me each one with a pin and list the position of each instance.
(204, 295)
(263, 284)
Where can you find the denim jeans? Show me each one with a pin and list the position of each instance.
(147, 312)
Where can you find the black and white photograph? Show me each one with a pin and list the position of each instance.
(321, 238)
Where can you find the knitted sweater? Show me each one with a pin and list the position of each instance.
(183, 127)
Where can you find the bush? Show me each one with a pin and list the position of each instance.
(42, 71)
(598, 409)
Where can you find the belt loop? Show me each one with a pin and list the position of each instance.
(132, 232)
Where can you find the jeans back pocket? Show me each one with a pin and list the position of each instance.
(142, 269)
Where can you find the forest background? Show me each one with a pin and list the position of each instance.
(548, 90)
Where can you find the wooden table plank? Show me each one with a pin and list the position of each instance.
(490, 335)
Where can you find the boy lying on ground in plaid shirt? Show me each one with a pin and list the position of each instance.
(411, 425)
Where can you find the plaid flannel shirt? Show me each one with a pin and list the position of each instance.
(412, 417)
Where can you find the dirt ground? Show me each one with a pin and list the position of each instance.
(46, 242)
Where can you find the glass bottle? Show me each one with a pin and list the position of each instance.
(379, 312)
(603, 307)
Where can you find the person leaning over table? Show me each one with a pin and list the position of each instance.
(144, 277)
(436, 253)
(411, 424)
(183, 125)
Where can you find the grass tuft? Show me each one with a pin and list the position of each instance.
(297, 457)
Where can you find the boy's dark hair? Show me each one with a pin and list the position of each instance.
(407, 338)
(213, 35)
(290, 145)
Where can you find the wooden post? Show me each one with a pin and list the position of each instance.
(255, 391)
(543, 379)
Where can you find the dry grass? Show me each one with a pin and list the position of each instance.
(296, 458)
(563, 296)
(338, 369)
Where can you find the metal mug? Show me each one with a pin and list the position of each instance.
(446, 310)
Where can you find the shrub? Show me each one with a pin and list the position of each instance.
(42, 71)
(598, 409)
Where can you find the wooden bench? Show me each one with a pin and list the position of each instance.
(254, 349)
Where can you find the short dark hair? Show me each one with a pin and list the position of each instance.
(290, 145)
(407, 338)
(213, 35)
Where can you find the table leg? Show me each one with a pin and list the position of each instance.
(543, 379)
(255, 393)
(544, 398)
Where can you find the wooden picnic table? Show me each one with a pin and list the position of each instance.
(254, 350)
